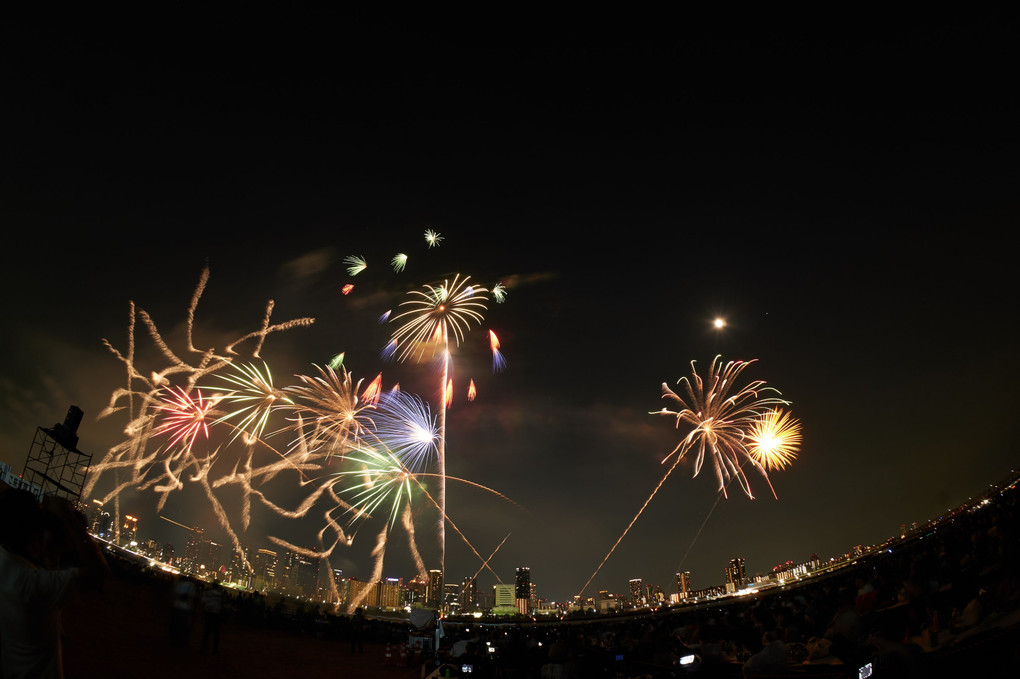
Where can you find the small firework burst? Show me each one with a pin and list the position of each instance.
(775, 438)
(355, 264)
(432, 238)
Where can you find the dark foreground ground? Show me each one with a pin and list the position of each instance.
(124, 632)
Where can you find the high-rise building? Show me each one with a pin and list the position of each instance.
(360, 594)
(389, 593)
(304, 572)
(434, 594)
(102, 524)
(683, 584)
(192, 558)
(129, 531)
(451, 597)
(238, 570)
(418, 589)
(505, 600)
(264, 570)
(522, 583)
(522, 590)
(468, 594)
(735, 578)
(637, 592)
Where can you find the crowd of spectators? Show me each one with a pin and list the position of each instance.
(946, 598)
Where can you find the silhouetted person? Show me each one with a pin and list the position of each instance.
(31, 596)
(185, 595)
(358, 630)
(212, 611)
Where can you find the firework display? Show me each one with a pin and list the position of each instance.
(341, 450)
(732, 424)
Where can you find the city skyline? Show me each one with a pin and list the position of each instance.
(843, 203)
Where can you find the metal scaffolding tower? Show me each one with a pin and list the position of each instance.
(54, 462)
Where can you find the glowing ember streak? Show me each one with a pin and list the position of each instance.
(336, 361)
(385, 316)
(499, 293)
(347, 288)
(372, 391)
(720, 415)
(472, 392)
(398, 262)
(355, 265)
(449, 394)
(432, 238)
(183, 417)
(498, 362)
(775, 438)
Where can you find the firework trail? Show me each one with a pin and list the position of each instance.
(398, 262)
(327, 418)
(485, 564)
(434, 315)
(722, 418)
(156, 406)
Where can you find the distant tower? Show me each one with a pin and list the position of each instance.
(637, 593)
(522, 589)
(683, 584)
(468, 594)
(735, 578)
(434, 593)
(264, 567)
(129, 531)
(54, 464)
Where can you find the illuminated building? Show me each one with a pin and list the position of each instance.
(451, 597)
(192, 558)
(683, 584)
(434, 593)
(735, 578)
(129, 531)
(522, 590)
(637, 592)
(237, 571)
(304, 571)
(389, 593)
(468, 594)
(359, 594)
(505, 601)
(418, 589)
(264, 570)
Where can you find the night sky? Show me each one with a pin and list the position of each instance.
(843, 192)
